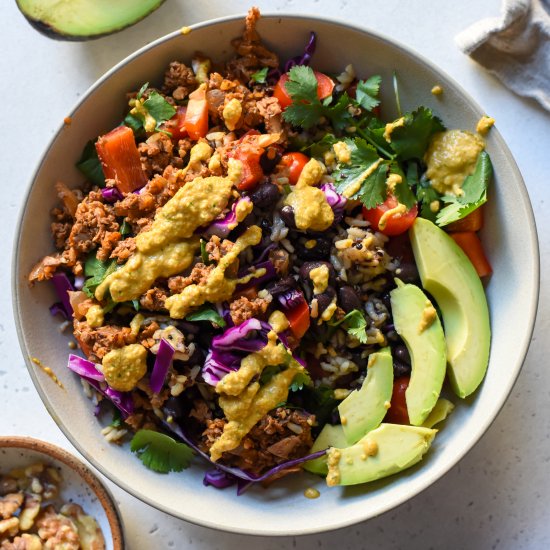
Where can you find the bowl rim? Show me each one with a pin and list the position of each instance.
(59, 454)
(523, 346)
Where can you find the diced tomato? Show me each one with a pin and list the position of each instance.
(472, 247)
(295, 163)
(176, 125)
(251, 172)
(325, 85)
(395, 224)
(299, 319)
(196, 117)
(398, 413)
(472, 222)
(120, 160)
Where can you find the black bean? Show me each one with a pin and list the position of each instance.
(265, 195)
(287, 215)
(174, 407)
(321, 250)
(349, 299)
(265, 225)
(270, 159)
(325, 299)
(392, 336)
(401, 353)
(400, 369)
(307, 267)
(407, 272)
(282, 285)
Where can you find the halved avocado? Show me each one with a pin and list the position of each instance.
(84, 19)
(449, 276)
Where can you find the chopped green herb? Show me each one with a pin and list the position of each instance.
(136, 305)
(204, 254)
(96, 271)
(259, 76)
(125, 228)
(90, 165)
(149, 114)
(206, 313)
(268, 373)
(117, 419)
(474, 193)
(426, 195)
(355, 324)
(367, 92)
(411, 140)
(402, 191)
(161, 453)
(300, 380)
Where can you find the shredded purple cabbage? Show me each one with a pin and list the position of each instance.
(218, 479)
(58, 309)
(305, 58)
(219, 363)
(336, 201)
(269, 274)
(163, 361)
(111, 194)
(62, 285)
(79, 282)
(237, 472)
(291, 299)
(222, 228)
(88, 370)
(85, 368)
(249, 336)
(266, 246)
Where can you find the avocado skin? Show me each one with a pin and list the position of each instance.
(449, 276)
(51, 32)
(398, 447)
(426, 345)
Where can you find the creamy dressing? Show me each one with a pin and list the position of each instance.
(391, 126)
(124, 367)
(311, 209)
(356, 184)
(319, 277)
(451, 156)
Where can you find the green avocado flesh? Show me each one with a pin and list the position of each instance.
(417, 323)
(449, 276)
(330, 436)
(363, 410)
(387, 450)
(443, 408)
(82, 19)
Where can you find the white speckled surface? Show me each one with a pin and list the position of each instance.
(498, 496)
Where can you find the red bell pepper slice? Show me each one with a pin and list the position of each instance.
(299, 319)
(196, 117)
(120, 159)
(325, 85)
(295, 163)
(176, 125)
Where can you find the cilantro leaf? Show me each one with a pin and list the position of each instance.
(355, 324)
(402, 191)
(90, 165)
(300, 380)
(259, 76)
(426, 194)
(374, 189)
(367, 92)
(412, 139)
(204, 254)
(474, 193)
(125, 228)
(135, 304)
(161, 453)
(268, 373)
(149, 114)
(96, 271)
(206, 313)
(317, 149)
(319, 401)
(306, 109)
(362, 157)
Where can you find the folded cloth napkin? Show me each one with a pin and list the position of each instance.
(515, 47)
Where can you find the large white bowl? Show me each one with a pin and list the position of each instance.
(509, 234)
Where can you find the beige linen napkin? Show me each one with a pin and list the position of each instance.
(515, 47)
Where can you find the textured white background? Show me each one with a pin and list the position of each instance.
(499, 495)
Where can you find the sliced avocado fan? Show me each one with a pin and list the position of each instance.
(84, 19)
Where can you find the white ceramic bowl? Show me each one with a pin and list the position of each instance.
(79, 484)
(509, 234)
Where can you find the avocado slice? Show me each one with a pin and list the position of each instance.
(363, 410)
(443, 408)
(84, 19)
(330, 436)
(417, 322)
(448, 275)
(387, 450)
